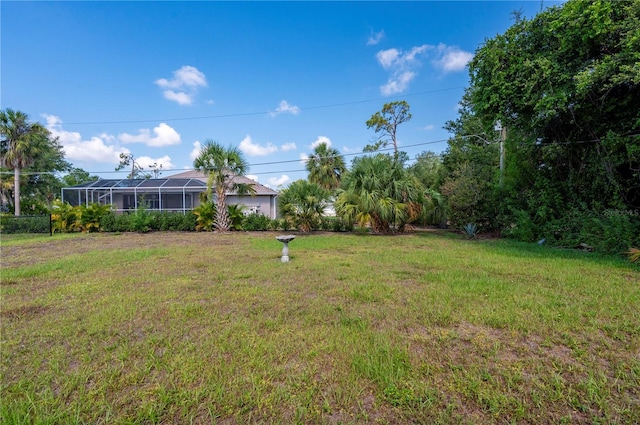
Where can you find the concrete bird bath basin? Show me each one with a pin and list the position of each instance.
(285, 239)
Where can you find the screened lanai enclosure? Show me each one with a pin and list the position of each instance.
(171, 194)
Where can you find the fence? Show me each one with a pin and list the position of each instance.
(26, 224)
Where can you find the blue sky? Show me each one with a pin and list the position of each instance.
(158, 79)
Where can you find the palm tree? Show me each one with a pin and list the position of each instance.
(20, 143)
(223, 165)
(303, 204)
(378, 191)
(326, 167)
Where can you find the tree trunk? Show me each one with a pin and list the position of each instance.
(16, 191)
(222, 215)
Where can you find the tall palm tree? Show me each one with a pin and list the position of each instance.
(20, 143)
(380, 192)
(326, 167)
(223, 165)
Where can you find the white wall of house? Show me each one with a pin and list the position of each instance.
(261, 204)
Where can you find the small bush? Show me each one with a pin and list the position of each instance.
(521, 227)
(236, 216)
(470, 230)
(141, 221)
(256, 222)
(335, 224)
(205, 216)
(174, 221)
(91, 216)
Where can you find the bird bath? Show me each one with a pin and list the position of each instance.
(285, 239)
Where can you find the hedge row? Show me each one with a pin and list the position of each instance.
(147, 221)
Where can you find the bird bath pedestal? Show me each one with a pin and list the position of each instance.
(285, 239)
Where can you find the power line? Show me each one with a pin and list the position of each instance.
(245, 114)
(288, 161)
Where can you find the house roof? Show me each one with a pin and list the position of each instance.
(195, 174)
(165, 183)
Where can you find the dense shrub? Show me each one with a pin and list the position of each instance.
(25, 224)
(205, 216)
(141, 221)
(84, 218)
(257, 222)
(335, 224)
(521, 227)
(611, 231)
(174, 221)
(151, 221)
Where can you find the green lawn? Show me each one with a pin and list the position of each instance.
(420, 328)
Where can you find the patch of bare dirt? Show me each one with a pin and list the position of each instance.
(24, 312)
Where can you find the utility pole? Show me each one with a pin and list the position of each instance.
(503, 137)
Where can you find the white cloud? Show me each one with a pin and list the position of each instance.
(402, 67)
(397, 83)
(375, 38)
(187, 76)
(451, 58)
(274, 182)
(197, 147)
(164, 135)
(397, 60)
(184, 85)
(429, 127)
(415, 51)
(288, 147)
(304, 158)
(180, 98)
(346, 149)
(386, 58)
(146, 162)
(320, 140)
(97, 149)
(284, 107)
(254, 149)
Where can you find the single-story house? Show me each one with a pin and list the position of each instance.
(264, 201)
(180, 193)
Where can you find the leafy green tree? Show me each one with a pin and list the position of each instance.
(28, 145)
(378, 191)
(326, 167)
(385, 124)
(303, 203)
(223, 166)
(567, 86)
(471, 170)
(77, 176)
(429, 169)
